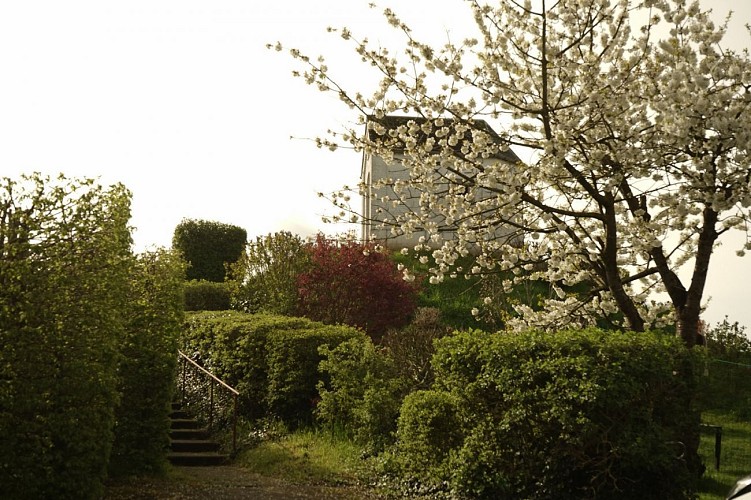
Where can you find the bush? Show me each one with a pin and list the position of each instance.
(362, 393)
(726, 383)
(202, 295)
(64, 264)
(265, 277)
(578, 414)
(147, 364)
(429, 432)
(247, 351)
(354, 284)
(293, 358)
(208, 247)
(413, 346)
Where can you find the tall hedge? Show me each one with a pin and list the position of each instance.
(148, 354)
(569, 415)
(271, 360)
(64, 265)
(208, 247)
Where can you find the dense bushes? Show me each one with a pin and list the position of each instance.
(147, 363)
(265, 276)
(272, 360)
(64, 268)
(362, 393)
(202, 295)
(208, 247)
(568, 415)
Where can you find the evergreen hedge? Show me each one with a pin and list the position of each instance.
(64, 267)
(271, 360)
(208, 247)
(202, 295)
(567, 415)
(148, 356)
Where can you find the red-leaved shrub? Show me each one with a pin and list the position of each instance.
(352, 283)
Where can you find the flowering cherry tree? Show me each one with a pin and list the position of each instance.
(636, 120)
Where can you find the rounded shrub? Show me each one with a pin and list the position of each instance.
(429, 429)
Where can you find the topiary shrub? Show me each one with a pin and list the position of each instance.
(202, 295)
(567, 415)
(208, 247)
(362, 392)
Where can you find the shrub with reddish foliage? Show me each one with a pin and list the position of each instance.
(354, 284)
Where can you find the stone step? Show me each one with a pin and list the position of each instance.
(193, 445)
(181, 414)
(183, 423)
(189, 442)
(189, 434)
(196, 459)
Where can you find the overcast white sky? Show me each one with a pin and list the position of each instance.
(180, 101)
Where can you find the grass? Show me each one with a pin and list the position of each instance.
(306, 456)
(735, 457)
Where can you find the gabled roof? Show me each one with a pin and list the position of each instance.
(392, 122)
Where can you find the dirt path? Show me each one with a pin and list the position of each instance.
(223, 483)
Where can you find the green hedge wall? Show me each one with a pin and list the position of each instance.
(202, 295)
(271, 360)
(148, 355)
(568, 415)
(64, 267)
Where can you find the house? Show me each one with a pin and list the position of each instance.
(400, 147)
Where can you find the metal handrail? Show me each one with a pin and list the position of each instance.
(205, 373)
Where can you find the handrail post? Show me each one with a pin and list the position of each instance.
(234, 425)
(211, 404)
(185, 370)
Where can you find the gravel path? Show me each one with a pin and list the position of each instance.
(223, 483)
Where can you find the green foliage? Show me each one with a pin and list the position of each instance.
(362, 393)
(430, 431)
(462, 291)
(202, 295)
(577, 414)
(293, 358)
(726, 369)
(147, 364)
(208, 247)
(729, 342)
(248, 350)
(64, 268)
(265, 276)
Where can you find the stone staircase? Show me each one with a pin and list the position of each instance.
(190, 443)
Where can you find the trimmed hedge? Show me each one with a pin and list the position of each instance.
(271, 360)
(569, 415)
(147, 364)
(208, 247)
(202, 295)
